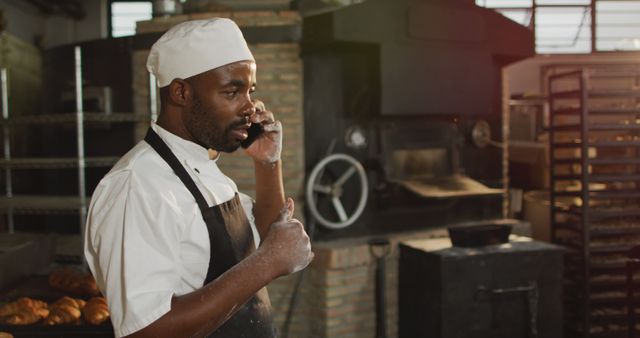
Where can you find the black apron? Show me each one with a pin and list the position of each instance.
(231, 241)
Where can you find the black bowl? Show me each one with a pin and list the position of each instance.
(479, 234)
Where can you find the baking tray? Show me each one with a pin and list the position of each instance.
(37, 287)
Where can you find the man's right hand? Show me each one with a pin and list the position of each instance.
(287, 245)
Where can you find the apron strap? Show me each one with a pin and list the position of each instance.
(159, 146)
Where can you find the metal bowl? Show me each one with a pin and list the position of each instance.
(479, 234)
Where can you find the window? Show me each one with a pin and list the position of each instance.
(125, 14)
(563, 29)
(618, 25)
(566, 26)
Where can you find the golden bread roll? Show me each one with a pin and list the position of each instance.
(25, 317)
(19, 304)
(65, 310)
(24, 311)
(89, 286)
(73, 281)
(96, 311)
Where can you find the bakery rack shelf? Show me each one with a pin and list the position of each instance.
(41, 204)
(600, 231)
(56, 163)
(72, 118)
(603, 194)
(599, 127)
(623, 110)
(64, 202)
(594, 140)
(596, 94)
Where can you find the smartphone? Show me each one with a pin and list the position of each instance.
(254, 131)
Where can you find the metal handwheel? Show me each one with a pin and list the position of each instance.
(320, 184)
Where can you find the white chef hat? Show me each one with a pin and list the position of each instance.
(194, 47)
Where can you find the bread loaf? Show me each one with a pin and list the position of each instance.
(74, 282)
(65, 310)
(24, 317)
(96, 311)
(24, 311)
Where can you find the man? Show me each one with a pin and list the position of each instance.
(169, 239)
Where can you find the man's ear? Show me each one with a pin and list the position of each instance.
(180, 92)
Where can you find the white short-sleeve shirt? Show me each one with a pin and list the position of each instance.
(145, 238)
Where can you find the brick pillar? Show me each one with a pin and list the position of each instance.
(337, 295)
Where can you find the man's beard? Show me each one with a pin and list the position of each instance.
(208, 132)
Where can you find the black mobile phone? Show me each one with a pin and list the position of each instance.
(254, 131)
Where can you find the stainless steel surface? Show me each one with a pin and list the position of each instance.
(7, 145)
(80, 139)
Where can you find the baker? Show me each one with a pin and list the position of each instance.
(174, 247)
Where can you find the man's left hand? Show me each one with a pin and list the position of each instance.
(267, 148)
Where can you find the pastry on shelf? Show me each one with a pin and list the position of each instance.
(96, 311)
(65, 310)
(89, 286)
(73, 281)
(24, 311)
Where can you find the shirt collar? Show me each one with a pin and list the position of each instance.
(187, 150)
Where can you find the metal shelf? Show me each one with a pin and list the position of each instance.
(614, 111)
(71, 118)
(597, 238)
(597, 249)
(600, 177)
(596, 93)
(626, 212)
(566, 94)
(56, 163)
(600, 127)
(613, 93)
(598, 231)
(578, 144)
(41, 204)
(567, 144)
(602, 194)
(598, 111)
(615, 75)
(612, 160)
(623, 143)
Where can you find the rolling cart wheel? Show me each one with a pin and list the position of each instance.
(320, 184)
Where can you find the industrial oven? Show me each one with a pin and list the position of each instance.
(400, 86)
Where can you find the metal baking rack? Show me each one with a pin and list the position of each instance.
(594, 144)
(12, 204)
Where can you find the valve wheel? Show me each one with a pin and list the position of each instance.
(320, 184)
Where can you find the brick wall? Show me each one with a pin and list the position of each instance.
(279, 79)
(337, 294)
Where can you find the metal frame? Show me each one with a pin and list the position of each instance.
(57, 205)
(633, 265)
(583, 232)
(7, 145)
(82, 191)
